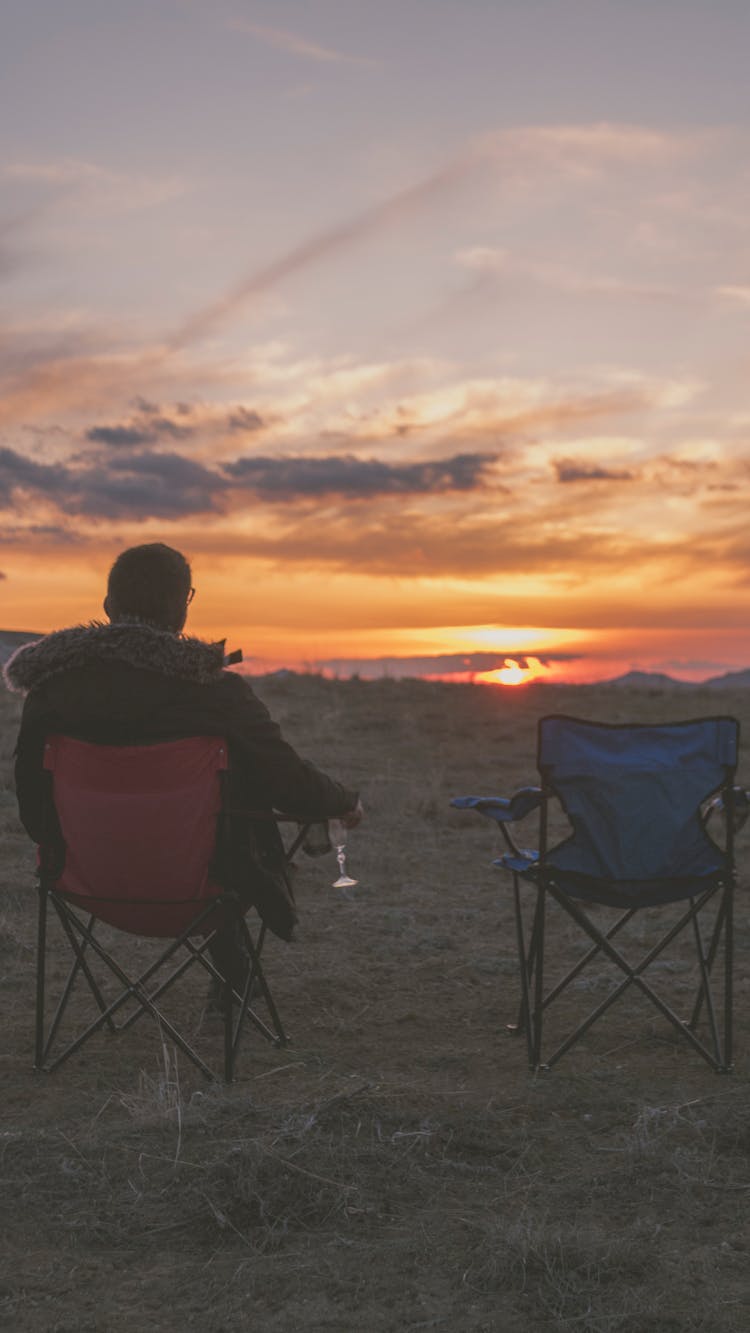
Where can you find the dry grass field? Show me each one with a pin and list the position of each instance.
(396, 1167)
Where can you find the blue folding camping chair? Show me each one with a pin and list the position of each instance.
(641, 802)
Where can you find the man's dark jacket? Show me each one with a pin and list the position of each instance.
(130, 683)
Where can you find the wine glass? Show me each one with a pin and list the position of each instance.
(337, 834)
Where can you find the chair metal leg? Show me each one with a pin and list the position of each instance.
(227, 996)
(538, 1013)
(710, 957)
(80, 964)
(728, 976)
(79, 949)
(583, 962)
(531, 973)
(44, 1042)
(193, 956)
(256, 972)
(133, 988)
(724, 922)
(527, 964)
(279, 1038)
(524, 1017)
(41, 961)
(705, 989)
(632, 975)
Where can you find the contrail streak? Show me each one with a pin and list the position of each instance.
(318, 247)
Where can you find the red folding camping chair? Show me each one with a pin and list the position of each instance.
(136, 848)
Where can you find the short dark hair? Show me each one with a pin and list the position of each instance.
(152, 583)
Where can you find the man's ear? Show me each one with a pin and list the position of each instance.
(106, 608)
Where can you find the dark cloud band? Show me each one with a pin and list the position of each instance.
(568, 471)
(295, 478)
(134, 486)
(18, 472)
(127, 437)
(127, 484)
(149, 428)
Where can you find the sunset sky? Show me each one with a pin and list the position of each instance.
(421, 326)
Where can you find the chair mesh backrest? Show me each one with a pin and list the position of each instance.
(139, 825)
(633, 794)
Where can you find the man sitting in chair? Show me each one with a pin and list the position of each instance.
(139, 679)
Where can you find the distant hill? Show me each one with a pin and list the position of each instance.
(646, 680)
(10, 639)
(733, 680)
(658, 680)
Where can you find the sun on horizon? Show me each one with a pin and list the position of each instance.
(512, 673)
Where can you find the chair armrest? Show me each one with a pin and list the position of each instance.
(312, 830)
(506, 811)
(500, 808)
(278, 816)
(741, 805)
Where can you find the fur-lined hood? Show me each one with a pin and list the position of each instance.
(133, 642)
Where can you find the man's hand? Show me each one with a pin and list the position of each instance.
(352, 817)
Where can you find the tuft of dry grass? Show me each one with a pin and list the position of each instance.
(359, 1183)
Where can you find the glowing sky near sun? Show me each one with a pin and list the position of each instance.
(422, 327)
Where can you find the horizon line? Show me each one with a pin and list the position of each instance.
(465, 674)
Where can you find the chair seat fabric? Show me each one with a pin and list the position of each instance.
(625, 893)
(139, 827)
